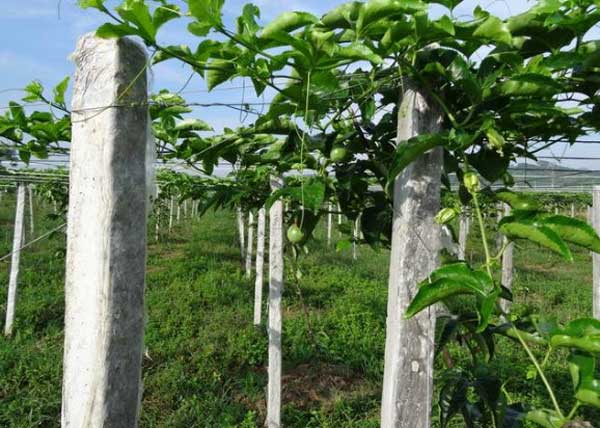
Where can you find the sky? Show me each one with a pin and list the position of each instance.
(39, 35)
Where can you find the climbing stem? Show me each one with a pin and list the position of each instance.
(486, 249)
(540, 372)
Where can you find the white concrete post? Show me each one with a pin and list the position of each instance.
(15, 260)
(595, 214)
(572, 210)
(329, 223)
(275, 317)
(31, 220)
(416, 242)
(171, 213)
(178, 211)
(355, 226)
(106, 236)
(339, 219)
(507, 266)
(260, 257)
(250, 243)
(463, 235)
(185, 209)
(241, 234)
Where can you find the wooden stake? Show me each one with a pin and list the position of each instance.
(409, 348)
(15, 260)
(106, 236)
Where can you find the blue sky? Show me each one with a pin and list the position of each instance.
(39, 35)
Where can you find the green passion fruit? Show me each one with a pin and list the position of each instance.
(338, 154)
(294, 234)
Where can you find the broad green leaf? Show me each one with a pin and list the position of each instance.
(114, 31)
(34, 92)
(438, 290)
(445, 24)
(343, 15)
(582, 334)
(530, 84)
(486, 309)
(207, 11)
(494, 29)
(219, 71)
(59, 91)
(545, 418)
(450, 4)
(17, 113)
(165, 13)
(199, 29)
(496, 140)
(408, 151)
(358, 51)
(97, 4)
(192, 125)
(518, 201)
(515, 228)
(573, 230)
(287, 22)
(374, 10)
(137, 13)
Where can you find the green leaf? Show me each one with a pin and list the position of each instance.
(219, 72)
(450, 4)
(515, 228)
(574, 231)
(582, 334)
(97, 4)
(374, 10)
(530, 84)
(494, 29)
(436, 291)
(409, 150)
(192, 125)
(114, 31)
(207, 11)
(449, 280)
(137, 13)
(165, 13)
(445, 24)
(288, 22)
(34, 92)
(59, 91)
(518, 201)
(343, 15)
(452, 398)
(342, 245)
(545, 418)
(358, 51)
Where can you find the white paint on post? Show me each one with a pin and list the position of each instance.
(15, 260)
(250, 249)
(241, 234)
(171, 212)
(31, 220)
(507, 266)
(275, 317)
(329, 223)
(595, 214)
(463, 235)
(106, 236)
(260, 262)
(355, 226)
(409, 348)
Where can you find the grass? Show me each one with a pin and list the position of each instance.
(205, 364)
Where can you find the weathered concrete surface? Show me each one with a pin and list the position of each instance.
(409, 349)
(106, 236)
